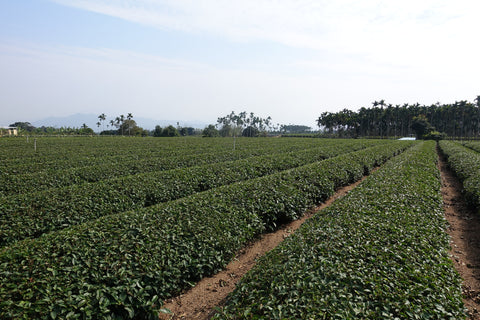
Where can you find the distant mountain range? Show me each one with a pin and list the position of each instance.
(77, 120)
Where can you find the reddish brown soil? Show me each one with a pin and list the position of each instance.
(464, 231)
(200, 301)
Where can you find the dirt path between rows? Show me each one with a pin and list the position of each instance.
(464, 231)
(199, 302)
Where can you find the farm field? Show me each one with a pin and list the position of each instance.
(379, 253)
(111, 227)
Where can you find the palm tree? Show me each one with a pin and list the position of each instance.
(119, 121)
(102, 118)
(129, 117)
(112, 123)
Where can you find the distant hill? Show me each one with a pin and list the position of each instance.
(77, 120)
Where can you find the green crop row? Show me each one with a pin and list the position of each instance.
(381, 252)
(103, 168)
(107, 169)
(62, 153)
(50, 150)
(110, 168)
(133, 156)
(474, 145)
(465, 163)
(31, 215)
(66, 153)
(123, 265)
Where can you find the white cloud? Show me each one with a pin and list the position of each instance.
(302, 23)
(429, 35)
(407, 51)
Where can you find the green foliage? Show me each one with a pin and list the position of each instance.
(434, 135)
(465, 163)
(123, 265)
(170, 131)
(129, 127)
(76, 165)
(32, 214)
(58, 165)
(187, 131)
(474, 145)
(26, 126)
(234, 124)
(250, 131)
(294, 129)
(210, 131)
(85, 130)
(158, 131)
(228, 130)
(459, 119)
(380, 252)
(421, 126)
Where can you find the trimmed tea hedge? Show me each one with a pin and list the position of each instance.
(31, 215)
(59, 156)
(381, 252)
(123, 265)
(145, 161)
(465, 163)
(474, 145)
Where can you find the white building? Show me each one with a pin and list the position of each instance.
(8, 131)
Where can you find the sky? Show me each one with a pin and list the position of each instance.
(197, 60)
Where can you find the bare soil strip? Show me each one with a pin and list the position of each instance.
(464, 231)
(199, 302)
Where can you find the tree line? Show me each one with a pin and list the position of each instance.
(127, 126)
(121, 125)
(28, 128)
(459, 119)
(231, 125)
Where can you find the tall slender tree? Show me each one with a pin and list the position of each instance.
(102, 119)
(129, 118)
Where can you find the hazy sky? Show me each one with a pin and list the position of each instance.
(200, 59)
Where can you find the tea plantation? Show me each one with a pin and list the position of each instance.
(108, 228)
